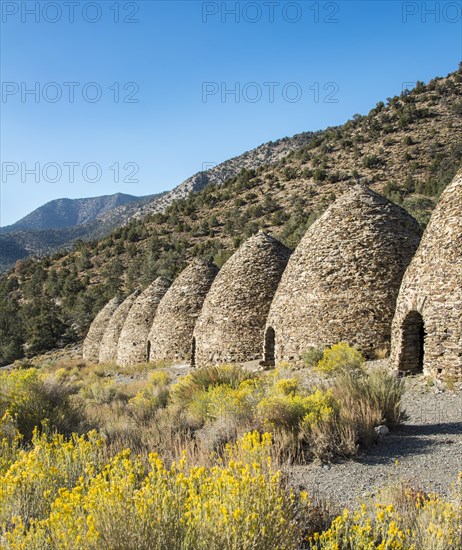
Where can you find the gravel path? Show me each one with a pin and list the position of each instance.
(426, 451)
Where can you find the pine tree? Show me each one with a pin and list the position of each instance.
(114, 272)
(11, 331)
(43, 325)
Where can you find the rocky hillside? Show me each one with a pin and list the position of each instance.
(266, 154)
(407, 148)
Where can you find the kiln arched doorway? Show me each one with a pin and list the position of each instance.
(193, 353)
(148, 351)
(412, 344)
(269, 347)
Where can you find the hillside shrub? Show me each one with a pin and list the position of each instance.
(371, 161)
(457, 108)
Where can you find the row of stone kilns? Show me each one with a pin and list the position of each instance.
(342, 283)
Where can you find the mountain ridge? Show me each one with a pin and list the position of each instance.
(65, 212)
(266, 153)
(59, 223)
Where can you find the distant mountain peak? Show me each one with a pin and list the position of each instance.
(66, 212)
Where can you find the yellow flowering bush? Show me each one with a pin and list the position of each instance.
(291, 411)
(31, 483)
(10, 440)
(287, 386)
(202, 379)
(222, 402)
(21, 398)
(340, 356)
(416, 522)
(238, 503)
(27, 399)
(158, 378)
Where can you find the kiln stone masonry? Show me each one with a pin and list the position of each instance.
(231, 324)
(133, 341)
(171, 335)
(110, 340)
(427, 328)
(92, 343)
(343, 279)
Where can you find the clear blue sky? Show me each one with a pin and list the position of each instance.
(361, 51)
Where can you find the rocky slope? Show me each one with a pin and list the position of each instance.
(268, 153)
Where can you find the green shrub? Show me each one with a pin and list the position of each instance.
(312, 356)
(372, 161)
(103, 391)
(457, 108)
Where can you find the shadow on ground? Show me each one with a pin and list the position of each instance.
(410, 439)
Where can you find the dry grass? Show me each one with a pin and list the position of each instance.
(202, 379)
(366, 400)
(382, 353)
(142, 410)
